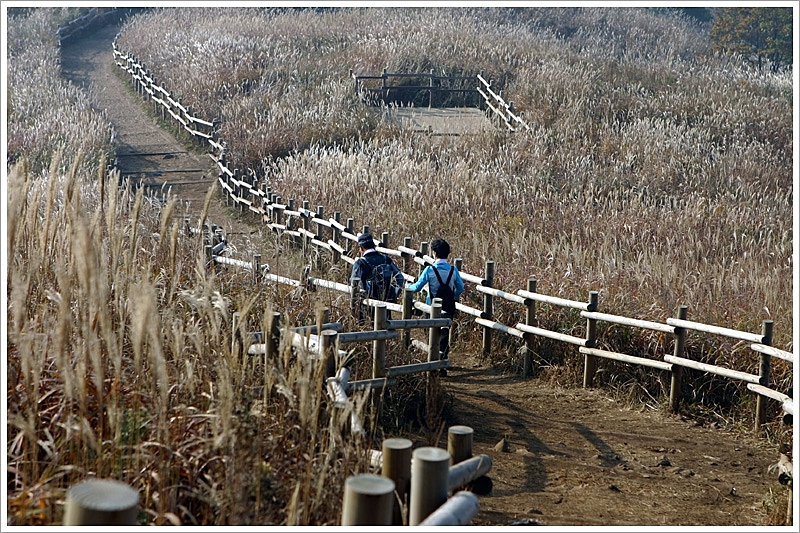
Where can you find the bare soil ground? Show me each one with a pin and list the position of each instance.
(561, 457)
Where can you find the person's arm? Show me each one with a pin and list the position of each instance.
(357, 271)
(421, 281)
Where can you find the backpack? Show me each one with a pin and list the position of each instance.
(445, 293)
(383, 281)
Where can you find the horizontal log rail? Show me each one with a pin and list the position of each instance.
(631, 359)
(416, 368)
(713, 369)
(769, 393)
(555, 300)
(551, 334)
(773, 352)
(625, 321)
(500, 327)
(726, 332)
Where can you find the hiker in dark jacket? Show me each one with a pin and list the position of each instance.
(447, 274)
(380, 277)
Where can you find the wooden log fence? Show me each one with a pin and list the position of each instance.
(338, 239)
(495, 102)
(80, 24)
(436, 85)
(424, 477)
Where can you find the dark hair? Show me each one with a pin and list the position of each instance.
(440, 248)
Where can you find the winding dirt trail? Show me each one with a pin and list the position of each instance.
(146, 152)
(561, 457)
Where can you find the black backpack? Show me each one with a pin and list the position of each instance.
(445, 293)
(382, 281)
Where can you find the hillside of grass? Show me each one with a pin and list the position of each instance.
(655, 172)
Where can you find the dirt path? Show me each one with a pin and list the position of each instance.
(145, 151)
(572, 457)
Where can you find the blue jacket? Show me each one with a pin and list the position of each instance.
(429, 278)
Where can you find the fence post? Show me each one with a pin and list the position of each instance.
(397, 467)
(677, 370)
(430, 91)
(367, 501)
(459, 443)
(407, 257)
(423, 248)
(435, 333)
(350, 229)
(277, 216)
(101, 502)
(590, 361)
(306, 227)
(488, 310)
(320, 234)
(329, 350)
(530, 320)
(236, 339)
(408, 307)
(429, 474)
(272, 337)
(256, 268)
(378, 356)
(763, 375)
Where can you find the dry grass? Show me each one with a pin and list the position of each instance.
(654, 174)
(647, 163)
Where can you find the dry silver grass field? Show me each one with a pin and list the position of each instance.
(120, 359)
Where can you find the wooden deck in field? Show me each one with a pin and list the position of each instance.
(442, 121)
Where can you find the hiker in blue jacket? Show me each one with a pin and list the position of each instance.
(447, 274)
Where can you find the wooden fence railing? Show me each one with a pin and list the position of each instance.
(80, 24)
(437, 85)
(306, 228)
(419, 481)
(495, 102)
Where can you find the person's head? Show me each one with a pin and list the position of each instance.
(365, 241)
(440, 248)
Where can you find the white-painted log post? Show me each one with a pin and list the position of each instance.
(367, 501)
(429, 473)
(396, 453)
(101, 502)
